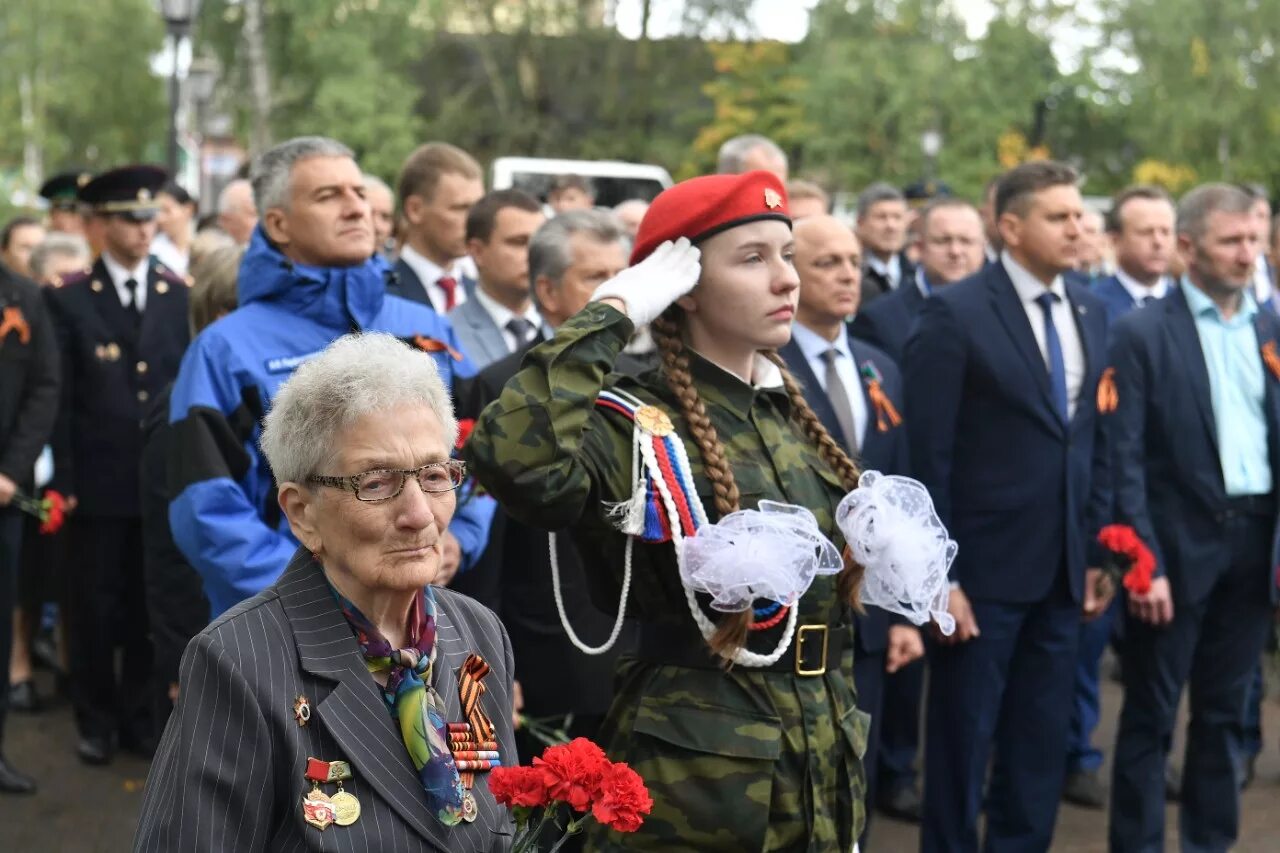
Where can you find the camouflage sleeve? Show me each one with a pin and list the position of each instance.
(542, 448)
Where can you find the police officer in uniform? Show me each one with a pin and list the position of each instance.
(122, 327)
(62, 192)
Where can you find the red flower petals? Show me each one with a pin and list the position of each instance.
(624, 800)
(519, 787)
(1123, 541)
(573, 772)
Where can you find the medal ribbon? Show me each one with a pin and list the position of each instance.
(413, 701)
(470, 689)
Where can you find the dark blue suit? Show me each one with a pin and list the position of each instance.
(1217, 552)
(886, 322)
(1018, 490)
(1082, 756)
(879, 450)
(404, 282)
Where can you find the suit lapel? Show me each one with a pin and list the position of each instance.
(1013, 317)
(409, 285)
(485, 329)
(1265, 328)
(1092, 330)
(354, 713)
(1181, 327)
(814, 395)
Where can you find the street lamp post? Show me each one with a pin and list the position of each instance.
(930, 146)
(178, 15)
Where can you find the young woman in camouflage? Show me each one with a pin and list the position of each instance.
(737, 758)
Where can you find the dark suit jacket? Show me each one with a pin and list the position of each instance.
(875, 285)
(29, 377)
(514, 578)
(1021, 492)
(885, 323)
(111, 368)
(884, 451)
(404, 282)
(1117, 300)
(229, 774)
(1168, 472)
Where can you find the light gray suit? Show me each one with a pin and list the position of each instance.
(479, 335)
(229, 773)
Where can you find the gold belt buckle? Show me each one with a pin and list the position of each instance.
(805, 632)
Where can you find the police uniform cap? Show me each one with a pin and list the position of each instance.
(703, 207)
(128, 190)
(62, 189)
(924, 191)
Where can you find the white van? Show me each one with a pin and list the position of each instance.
(613, 182)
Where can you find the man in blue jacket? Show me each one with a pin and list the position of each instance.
(1196, 435)
(309, 276)
(1001, 374)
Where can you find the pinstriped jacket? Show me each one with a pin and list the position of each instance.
(229, 773)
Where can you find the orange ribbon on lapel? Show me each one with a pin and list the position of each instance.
(13, 321)
(1271, 359)
(1108, 395)
(887, 415)
(426, 344)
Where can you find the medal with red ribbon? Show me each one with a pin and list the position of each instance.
(318, 808)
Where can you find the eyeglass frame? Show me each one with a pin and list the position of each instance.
(351, 483)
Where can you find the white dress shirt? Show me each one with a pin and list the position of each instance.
(120, 274)
(1028, 288)
(813, 346)
(429, 273)
(1138, 291)
(890, 269)
(502, 315)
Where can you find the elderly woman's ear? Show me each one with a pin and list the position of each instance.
(299, 506)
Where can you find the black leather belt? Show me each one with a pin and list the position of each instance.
(813, 649)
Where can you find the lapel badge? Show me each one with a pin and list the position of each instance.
(112, 351)
(1081, 310)
(771, 198)
(100, 352)
(96, 286)
(302, 710)
(14, 322)
(1108, 394)
(162, 287)
(1271, 358)
(318, 809)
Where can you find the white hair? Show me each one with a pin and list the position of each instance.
(227, 202)
(733, 153)
(354, 376)
(271, 172)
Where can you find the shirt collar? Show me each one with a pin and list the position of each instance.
(120, 274)
(427, 271)
(1202, 306)
(1027, 285)
(721, 388)
(890, 269)
(814, 345)
(501, 314)
(1139, 291)
(922, 283)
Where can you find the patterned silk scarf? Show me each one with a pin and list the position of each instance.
(413, 701)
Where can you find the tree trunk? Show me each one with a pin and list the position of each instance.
(259, 77)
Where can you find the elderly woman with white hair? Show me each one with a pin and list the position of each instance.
(351, 705)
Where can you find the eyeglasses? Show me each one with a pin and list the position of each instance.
(385, 484)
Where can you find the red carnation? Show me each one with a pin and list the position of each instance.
(465, 426)
(1133, 562)
(518, 786)
(624, 800)
(54, 512)
(573, 772)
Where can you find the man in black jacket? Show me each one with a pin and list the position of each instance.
(29, 381)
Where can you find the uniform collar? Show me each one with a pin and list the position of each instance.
(719, 387)
(120, 273)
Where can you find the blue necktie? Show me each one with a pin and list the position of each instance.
(1057, 364)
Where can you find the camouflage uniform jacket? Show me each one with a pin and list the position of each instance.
(737, 760)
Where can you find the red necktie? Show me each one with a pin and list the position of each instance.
(449, 285)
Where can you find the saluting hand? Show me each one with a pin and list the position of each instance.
(1156, 606)
(644, 291)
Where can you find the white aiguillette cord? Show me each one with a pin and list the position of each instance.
(643, 448)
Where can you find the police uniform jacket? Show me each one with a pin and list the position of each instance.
(113, 364)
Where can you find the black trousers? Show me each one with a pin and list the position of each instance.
(108, 612)
(10, 548)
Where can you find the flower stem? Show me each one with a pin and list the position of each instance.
(571, 830)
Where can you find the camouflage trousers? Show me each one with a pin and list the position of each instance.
(739, 761)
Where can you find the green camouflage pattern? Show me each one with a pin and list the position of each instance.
(737, 760)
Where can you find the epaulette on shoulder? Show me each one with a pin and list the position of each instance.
(172, 277)
(72, 278)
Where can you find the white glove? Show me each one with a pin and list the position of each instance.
(653, 284)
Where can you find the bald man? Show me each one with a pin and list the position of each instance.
(237, 212)
(950, 246)
(837, 373)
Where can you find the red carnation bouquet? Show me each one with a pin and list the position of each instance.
(576, 775)
(465, 426)
(1128, 559)
(51, 509)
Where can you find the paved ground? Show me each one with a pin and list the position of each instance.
(95, 809)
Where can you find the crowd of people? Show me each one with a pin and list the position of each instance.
(227, 409)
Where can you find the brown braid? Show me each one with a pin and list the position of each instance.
(731, 631)
(833, 454)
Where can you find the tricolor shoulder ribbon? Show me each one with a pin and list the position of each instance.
(1271, 359)
(887, 415)
(656, 443)
(1108, 395)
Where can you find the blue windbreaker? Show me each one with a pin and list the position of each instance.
(224, 517)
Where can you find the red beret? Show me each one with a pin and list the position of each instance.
(702, 207)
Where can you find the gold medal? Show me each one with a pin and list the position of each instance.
(470, 811)
(654, 421)
(346, 808)
(162, 287)
(318, 809)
